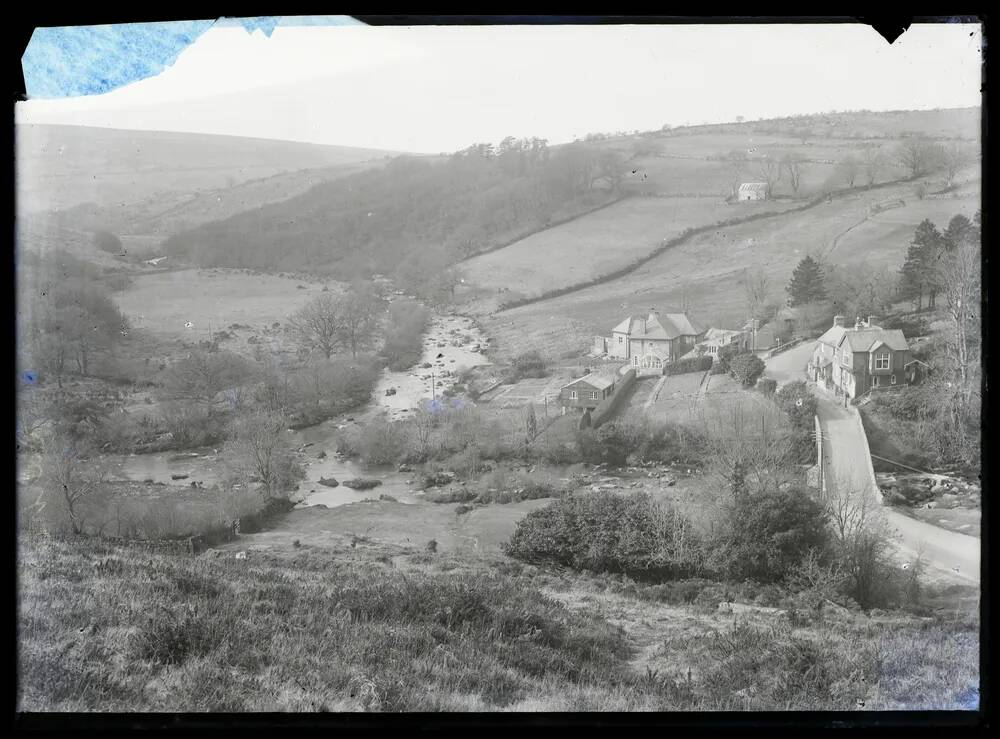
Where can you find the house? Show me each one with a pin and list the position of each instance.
(652, 340)
(586, 392)
(752, 191)
(857, 359)
(716, 338)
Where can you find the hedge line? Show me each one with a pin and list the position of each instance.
(678, 240)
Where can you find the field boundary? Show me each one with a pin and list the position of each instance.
(683, 237)
(546, 227)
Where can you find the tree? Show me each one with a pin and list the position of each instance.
(918, 273)
(257, 452)
(792, 164)
(71, 478)
(429, 275)
(918, 156)
(610, 167)
(360, 310)
(769, 170)
(319, 324)
(955, 157)
(766, 536)
(202, 375)
(757, 289)
(849, 169)
(872, 162)
(807, 285)
(746, 368)
(959, 275)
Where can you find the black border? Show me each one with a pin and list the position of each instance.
(887, 24)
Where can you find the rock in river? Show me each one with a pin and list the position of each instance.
(330, 482)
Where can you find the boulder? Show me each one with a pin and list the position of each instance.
(330, 482)
(362, 483)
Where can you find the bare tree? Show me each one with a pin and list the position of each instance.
(849, 169)
(959, 275)
(769, 170)
(954, 157)
(758, 290)
(872, 162)
(360, 311)
(918, 156)
(258, 453)
(320, 324)
(748, 443)
(792, 164)
(202, 375)
(72, 477)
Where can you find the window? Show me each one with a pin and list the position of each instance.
(875, 381)
(619, 339)
(635, 359)
(572, 395)
(593, 396)
(892, 379)
(882, 361)
(847, 357)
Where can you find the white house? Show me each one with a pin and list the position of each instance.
(752, 191)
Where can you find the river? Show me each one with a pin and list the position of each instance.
(449, 344)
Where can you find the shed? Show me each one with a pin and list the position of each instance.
(752, 191)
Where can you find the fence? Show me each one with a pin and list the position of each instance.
(868, 452)
(783, 347)
(609, 406)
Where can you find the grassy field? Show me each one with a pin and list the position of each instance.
(707, 271)
(211, 298)
(595, 244)
(382, 628)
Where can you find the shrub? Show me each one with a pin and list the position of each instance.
(691, 364)
(529, 364)
(766, 535)
(403, 337)
(767, 385)
(606, 532)
(608, 445)
(382, 442)
(746, 368)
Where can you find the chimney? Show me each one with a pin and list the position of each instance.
(838, 320)
(857, 323)
(871, 321)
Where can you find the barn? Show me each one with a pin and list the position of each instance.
(752, 191)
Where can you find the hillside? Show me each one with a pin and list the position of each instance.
(59, 167)
(372, 627)
(707, 271)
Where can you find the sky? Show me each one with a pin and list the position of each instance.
(440, 88)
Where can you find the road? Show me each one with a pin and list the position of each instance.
(791, 364)
(846, 453)
(847, 468)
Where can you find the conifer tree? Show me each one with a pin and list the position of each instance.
(807, 283)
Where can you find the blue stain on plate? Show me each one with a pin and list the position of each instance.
(29, 377)
(969, 699)
(67, 61)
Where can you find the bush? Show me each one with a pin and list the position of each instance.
(691, 364)
(767, 385)
(746, 368)
(107, 242)
(607, 533)
(403, 343)
(765, 536)
(382, 442)
(608, 445)
(529, 364)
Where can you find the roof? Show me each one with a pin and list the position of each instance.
(866, 339)
(753, 186)
(663, 327)
(594, 379)
(832, 335)
(824, 361)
